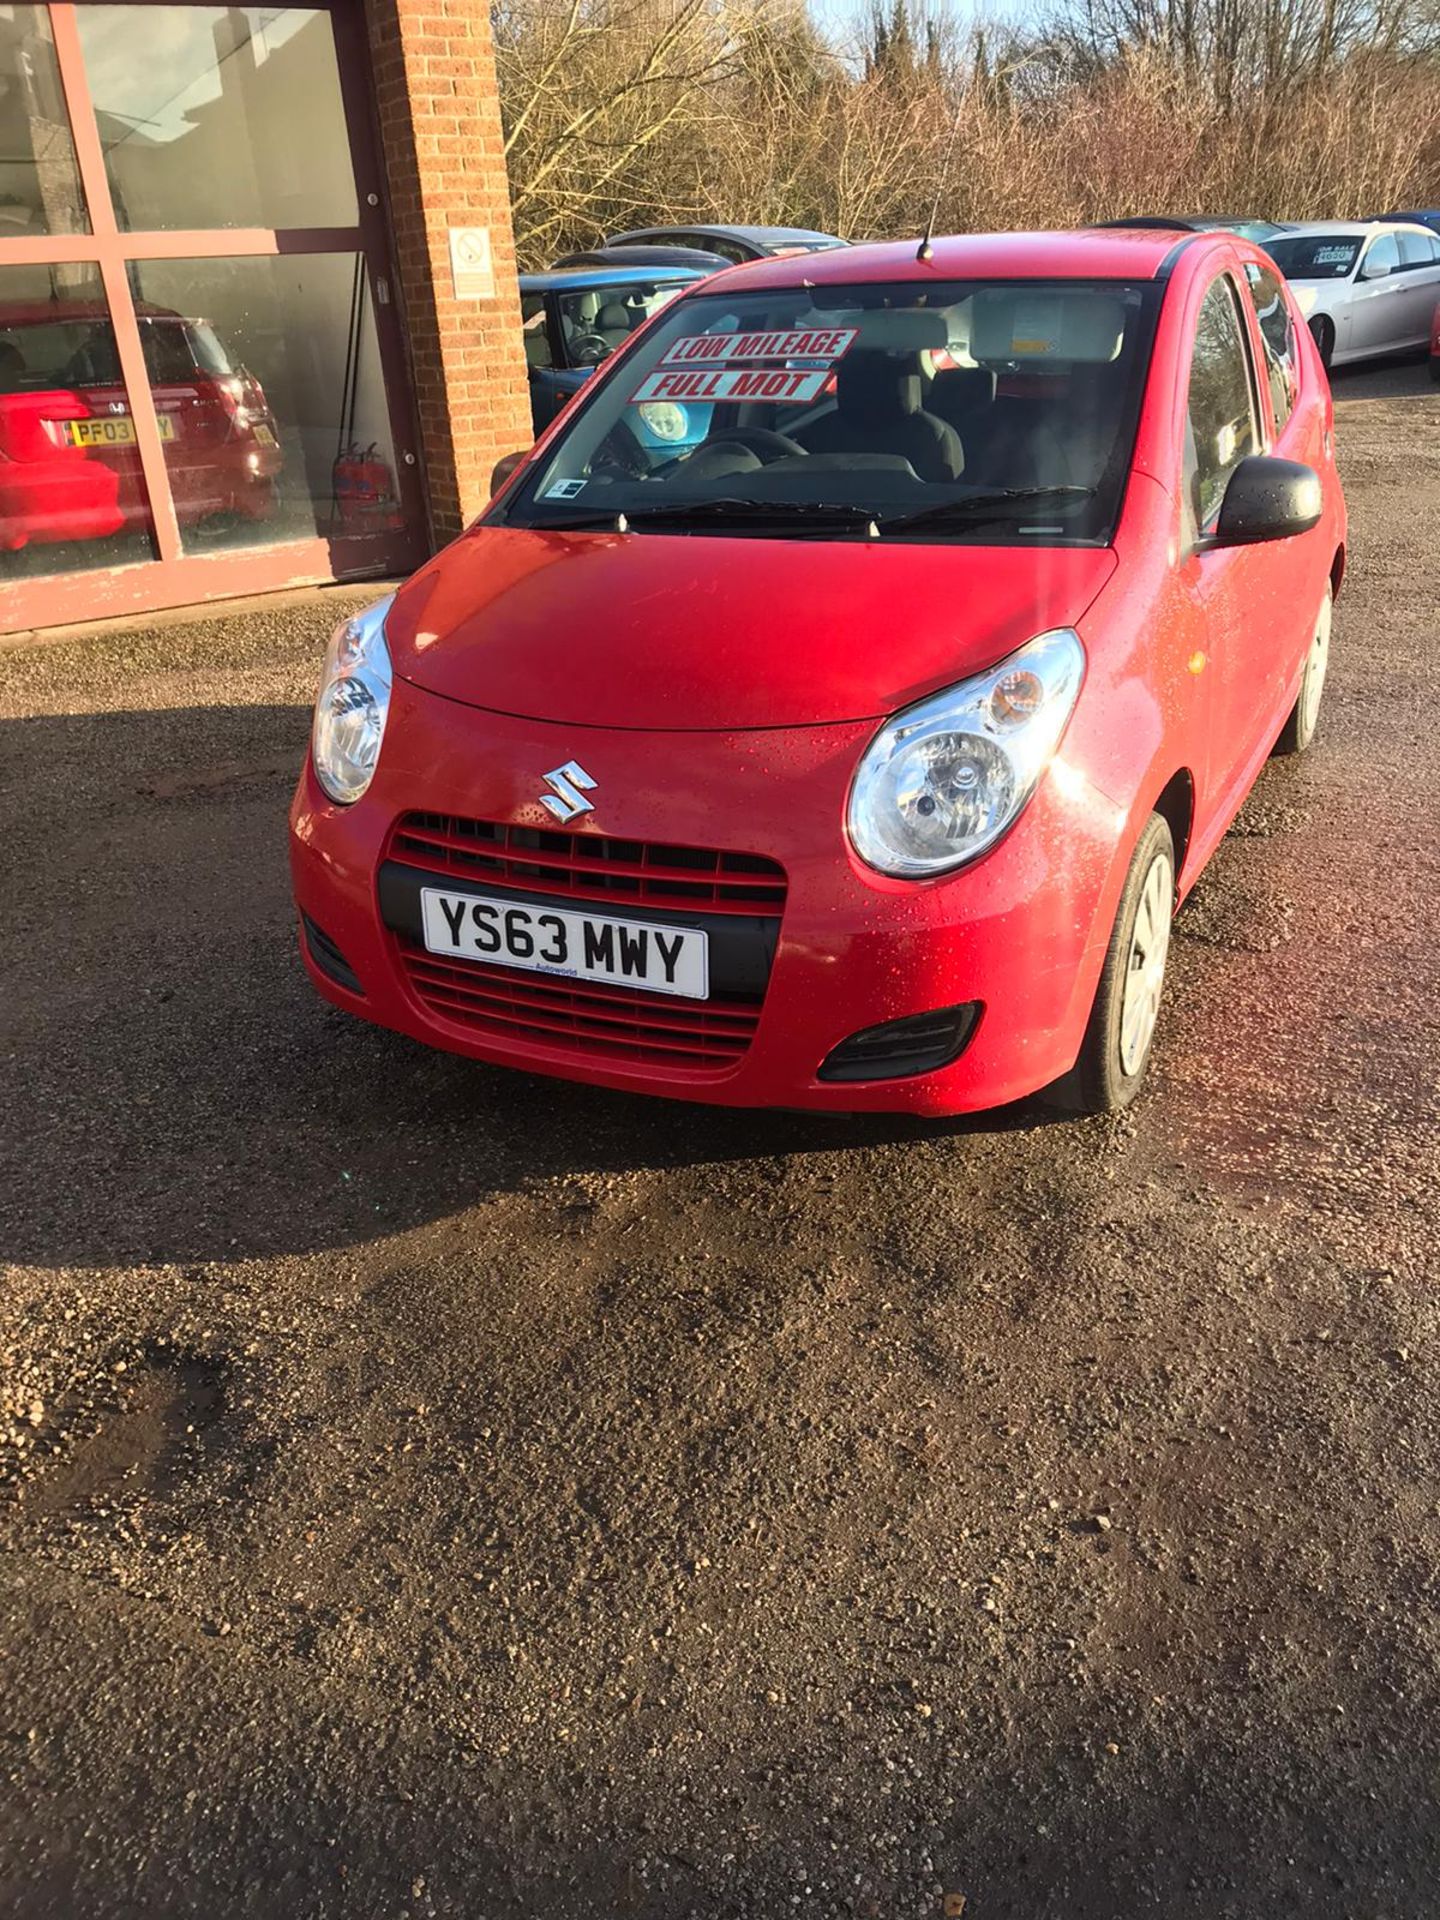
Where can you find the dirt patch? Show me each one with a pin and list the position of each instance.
(145, 1428)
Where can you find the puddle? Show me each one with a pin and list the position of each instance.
(158, 1430)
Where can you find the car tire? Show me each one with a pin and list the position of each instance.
(1299, 730)
(1115, 1052)
(1435, 368)
(1323, 329)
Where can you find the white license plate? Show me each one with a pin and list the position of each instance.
(580, 946)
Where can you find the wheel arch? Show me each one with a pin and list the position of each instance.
(1337, 571)
(1175, 803)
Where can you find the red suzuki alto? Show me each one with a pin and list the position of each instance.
(855, 754)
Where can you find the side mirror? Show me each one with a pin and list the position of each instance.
(1268, 499)
(1377, 270)
(504, 467)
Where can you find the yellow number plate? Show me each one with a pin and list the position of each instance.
(117, 430)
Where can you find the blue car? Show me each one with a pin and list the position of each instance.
(575, 317)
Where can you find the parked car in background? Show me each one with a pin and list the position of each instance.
(856, 758)
(1365, 288)
(1259, 231)
(1423, 217)
(575, 317)
(1435, 347)
(695, 258)
(736, 244)
(69, 463)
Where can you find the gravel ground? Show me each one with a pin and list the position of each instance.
(430, 1491)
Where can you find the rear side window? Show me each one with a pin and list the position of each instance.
(1277, 334)
(1222, 413)
(1418, 250)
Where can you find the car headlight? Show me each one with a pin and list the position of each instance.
(943, 780)
(664, 419)
(352, 704)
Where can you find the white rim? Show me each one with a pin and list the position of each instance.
(1145, 963)
(1315, 665)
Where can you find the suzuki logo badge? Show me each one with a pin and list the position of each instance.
(567, 802)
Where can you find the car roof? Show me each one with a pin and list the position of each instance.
(758, 236)
(580, 279)
(1299, 231)
(1101, 253)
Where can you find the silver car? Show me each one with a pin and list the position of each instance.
(1365, 286)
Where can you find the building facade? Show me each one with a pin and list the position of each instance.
(259, 320)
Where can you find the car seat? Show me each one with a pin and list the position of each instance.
(877, 410)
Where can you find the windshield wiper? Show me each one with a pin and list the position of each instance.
(997, 503)
(730, 508)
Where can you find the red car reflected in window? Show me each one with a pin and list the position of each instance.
(69, 463)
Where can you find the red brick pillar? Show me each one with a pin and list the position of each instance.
(443, 149)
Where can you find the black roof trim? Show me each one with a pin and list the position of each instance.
(1163, 271)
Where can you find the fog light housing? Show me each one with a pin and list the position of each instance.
(900, 1049)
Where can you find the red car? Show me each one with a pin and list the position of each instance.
(69, 465)
(858, 755)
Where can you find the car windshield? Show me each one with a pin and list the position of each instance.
(595, 320)
(1316, 256)
(983, 411)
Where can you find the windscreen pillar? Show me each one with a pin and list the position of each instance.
(438, 107)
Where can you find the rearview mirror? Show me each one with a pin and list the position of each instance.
(504, 467)
(1268, 499)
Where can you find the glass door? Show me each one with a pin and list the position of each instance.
(200, 369)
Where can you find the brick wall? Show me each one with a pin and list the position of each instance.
(443, 153)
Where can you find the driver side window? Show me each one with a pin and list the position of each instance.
(1384, 254)
(1221, 416)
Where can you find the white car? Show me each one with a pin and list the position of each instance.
(1365, 286)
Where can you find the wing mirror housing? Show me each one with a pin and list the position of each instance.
(1268, 499)
(504, 467)
(1380, 270)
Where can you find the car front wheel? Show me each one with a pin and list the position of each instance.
(1116, 1050)
(1299, 729)
(1324, 332)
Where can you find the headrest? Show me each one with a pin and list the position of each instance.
(877, 385)
(965, 388)
(1009, 323)
(613, 317)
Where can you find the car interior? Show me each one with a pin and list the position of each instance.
(1015, 390)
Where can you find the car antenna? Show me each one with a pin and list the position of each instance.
(925, 250)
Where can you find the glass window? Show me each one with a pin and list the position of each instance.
(72, 492)
(537, 334)
(1277, 335)
(1382, 257)
(1418, 250)
(39, 180)
(1316, 256)
(992, 412)
(597, 320)
(266, 379)
(1221, 414)
(219, 116)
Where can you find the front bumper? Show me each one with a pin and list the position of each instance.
(1021, 933)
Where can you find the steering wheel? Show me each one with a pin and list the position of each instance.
(589, 349)
(762, 442)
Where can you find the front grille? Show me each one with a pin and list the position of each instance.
(590, 866)
(615, 1023)
(737, 898)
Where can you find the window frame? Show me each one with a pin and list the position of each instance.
(1276, 426)
(174, 576)
(1200, 531)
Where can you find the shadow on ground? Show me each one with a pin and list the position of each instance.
(174, 1089)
